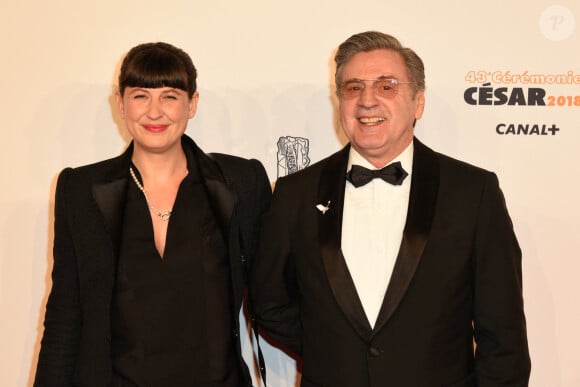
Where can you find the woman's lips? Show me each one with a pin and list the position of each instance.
(155, 128)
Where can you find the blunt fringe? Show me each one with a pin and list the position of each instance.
(153, 65)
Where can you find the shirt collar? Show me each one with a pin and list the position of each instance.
(405, 157)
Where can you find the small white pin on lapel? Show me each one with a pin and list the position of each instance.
(323, 208)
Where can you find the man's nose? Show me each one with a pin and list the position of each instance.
(368, 97)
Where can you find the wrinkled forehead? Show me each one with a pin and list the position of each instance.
(373, 64)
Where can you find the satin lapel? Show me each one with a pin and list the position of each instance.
(422, 200)
(331, 188)
(110, 195)
(221, 196)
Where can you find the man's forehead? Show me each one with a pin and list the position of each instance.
(373, 65)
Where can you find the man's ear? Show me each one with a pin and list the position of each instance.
(419, 104)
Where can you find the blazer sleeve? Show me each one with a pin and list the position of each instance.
(257, 203)
(501, 355)
(273, 281)
(60, 341)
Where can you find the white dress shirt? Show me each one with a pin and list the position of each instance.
(373, 220)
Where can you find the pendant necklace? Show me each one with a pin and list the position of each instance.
(164, 215)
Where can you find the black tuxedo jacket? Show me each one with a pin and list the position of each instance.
(457, 278)
(89, 207)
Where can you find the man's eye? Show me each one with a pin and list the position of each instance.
(139, 96)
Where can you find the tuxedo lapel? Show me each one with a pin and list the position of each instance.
(221, 196)
(422, 200)
(223, 201)
(331, 194)
(110, 194)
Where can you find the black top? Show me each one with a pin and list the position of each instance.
(172, 317)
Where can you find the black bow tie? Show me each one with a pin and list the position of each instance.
(392, 173)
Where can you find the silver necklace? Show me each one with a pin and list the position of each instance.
(164, 215)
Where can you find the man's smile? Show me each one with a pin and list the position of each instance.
(370, 120)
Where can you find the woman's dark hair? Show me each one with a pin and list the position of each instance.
(153, 65)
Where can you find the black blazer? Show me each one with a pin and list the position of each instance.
(457, 278)
(89, 205)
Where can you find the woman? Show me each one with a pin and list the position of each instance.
(148, 246)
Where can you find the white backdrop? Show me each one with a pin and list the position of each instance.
(265, 71)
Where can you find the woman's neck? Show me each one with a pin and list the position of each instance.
(160, 167)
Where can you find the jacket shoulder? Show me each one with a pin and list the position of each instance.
(238, 170)
(450, 167)
(312, 172)
(231, 161)
(102, 169)
(463, 173)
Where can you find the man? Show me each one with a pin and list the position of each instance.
(389, 282)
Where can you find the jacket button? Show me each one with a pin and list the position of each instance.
(374, 351)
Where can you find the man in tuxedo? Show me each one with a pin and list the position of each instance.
(387, 263)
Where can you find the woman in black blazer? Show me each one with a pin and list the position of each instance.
(149, 246)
